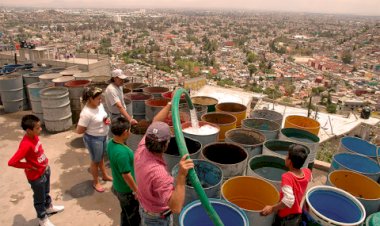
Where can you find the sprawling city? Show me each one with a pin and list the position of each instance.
(271, 84)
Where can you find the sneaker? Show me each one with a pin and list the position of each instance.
(54, 209)
(45, 222)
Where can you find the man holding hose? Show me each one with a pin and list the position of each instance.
(158, 195)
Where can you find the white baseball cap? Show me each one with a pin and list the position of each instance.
(118, 73)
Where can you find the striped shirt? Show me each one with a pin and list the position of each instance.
(155, 184)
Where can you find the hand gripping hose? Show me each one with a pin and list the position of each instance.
(183, 151)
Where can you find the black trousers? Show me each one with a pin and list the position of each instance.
(129, 215)
(41, 190)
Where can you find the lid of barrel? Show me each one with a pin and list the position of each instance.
(373, 219)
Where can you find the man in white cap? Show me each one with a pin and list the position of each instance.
(114, 97)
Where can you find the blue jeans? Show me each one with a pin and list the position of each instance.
(96, 145)
(129, 215)
(41, 190)
(148, 220)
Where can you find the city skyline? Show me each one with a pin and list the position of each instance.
(356, 7)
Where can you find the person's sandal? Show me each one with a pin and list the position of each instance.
(100, 190)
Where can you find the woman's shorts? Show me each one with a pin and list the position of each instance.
(96, 145)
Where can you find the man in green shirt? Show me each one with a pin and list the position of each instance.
(121, 161)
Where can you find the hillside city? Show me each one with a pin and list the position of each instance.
(335, 59)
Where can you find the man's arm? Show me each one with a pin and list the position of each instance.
(125, 113)
(177, 198)
(163, 114)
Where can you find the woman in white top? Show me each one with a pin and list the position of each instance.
(94, 123)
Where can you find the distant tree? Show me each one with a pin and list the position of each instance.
(251, 57)
(331, 108)
(346, 57)
(251, 69)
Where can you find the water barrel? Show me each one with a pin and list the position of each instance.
(199, 109)
(83, 76)
(155, 91)
(302, 137)
(252, 195)
(303, 123)
(12, 92)
(269, 128)
(209, 102)
(35, 99)
(267, 167)
(238, 110)
(153, 106)
(280, 149)
(101, 82)
(332, 206)
(69, 72)
(267, 114)
(76, 88)
(48, 78)
(137, 132)
(373, 219)
(251, 141)
(225, 121)
(356, 163)
(230, 157)
(202, 135)
(169, 95)
(210, 176)
(365, 113)
(358, 146)
(363, 188)
(30, 78)
(138, 103)
(135, 87)
(55, 104)
(194, 214)
(172, 156)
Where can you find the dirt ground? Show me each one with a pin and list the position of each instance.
(70, 181)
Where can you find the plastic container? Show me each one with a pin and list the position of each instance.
(238, 110)
(209, 102)
(225, 122)
(251, 141)
(303, 123)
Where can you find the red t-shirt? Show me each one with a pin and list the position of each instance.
(298, 185)
(31, 150)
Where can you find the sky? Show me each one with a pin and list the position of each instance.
(358, 7)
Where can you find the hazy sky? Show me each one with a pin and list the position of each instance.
(362, 7)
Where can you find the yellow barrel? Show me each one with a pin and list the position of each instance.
(252, 195)
(303, 123)
(205, 101)
(238, 110)
(225, 121)
(363, 188)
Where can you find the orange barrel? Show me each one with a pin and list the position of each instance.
(153, 106)
(205, 101)
(225, 121)
(155, 91)
(238, 110)
(363, 188)
(251, 195)
(303, 123)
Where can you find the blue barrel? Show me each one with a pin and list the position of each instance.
(358, 146)
(195, 215)
(356, 163)
(332, 206)
(210, 176)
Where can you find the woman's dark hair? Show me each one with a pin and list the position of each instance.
(297, 155)
(29, 121)
(119, 125)
(91, 92)
(155, 146)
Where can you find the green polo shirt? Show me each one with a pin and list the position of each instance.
(121, 161)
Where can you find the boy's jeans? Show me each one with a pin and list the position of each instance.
(41, 197)
(148, 220)
(129, 215)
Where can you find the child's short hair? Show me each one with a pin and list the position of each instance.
(29, 121)
(119, 125)
(297, 155)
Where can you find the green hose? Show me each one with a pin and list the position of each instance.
(183, 151)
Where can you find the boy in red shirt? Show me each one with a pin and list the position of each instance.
(36, 168)
(293, 187)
